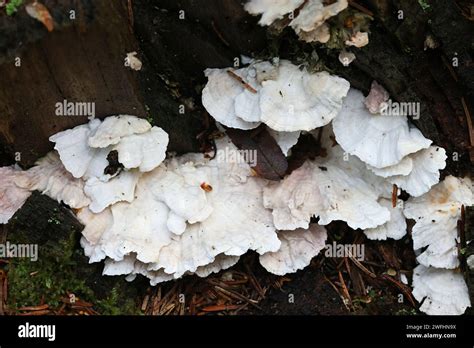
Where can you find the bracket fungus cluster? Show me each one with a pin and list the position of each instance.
(370, 155)
(161, 218)
(167, 217)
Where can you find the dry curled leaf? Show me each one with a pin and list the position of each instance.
(271, 163)
(38, 11)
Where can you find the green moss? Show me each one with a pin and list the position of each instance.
(116, 304)
(12, 6)
(424, 5)
(31, 282)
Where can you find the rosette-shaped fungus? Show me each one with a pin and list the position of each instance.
(283, 96)
(111, 155)
(191, 212)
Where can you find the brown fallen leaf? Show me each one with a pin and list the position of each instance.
(306, 148)
(39, 12)
(270, 163)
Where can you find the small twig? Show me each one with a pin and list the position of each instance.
(394, 195)
(469, 121)
(255, 282)
(363, 268)
(219, 308)
(236, 296)
(241, 80)
(360, 8)
(219, 34)
(402, 287)
(42, 312)
(344, 288)
(34, 308)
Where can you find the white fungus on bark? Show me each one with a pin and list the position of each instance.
(436, 214)
(113, 128)
(378, 140)
(117, 189)
(307, 17)
(50, 178)
(426, 165)
(443, 291)
(84, 152)
(271, 10)
(12, 197)
(297, 250)
(330, 188)
(285, 140)
(287, 98)
(395, 228)
(299, 100)
(225, 218)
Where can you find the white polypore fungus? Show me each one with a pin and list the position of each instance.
(219, 95)
(294, 200)
(238, 222)
(378, 140)
(285, 140)
(327, 189)
(114, 128)
(298, 100)
(271, 10)
(103, 194)
(50, 177)
(85, 150)
(425, 173)
(443, 292)
(285, 97)
(308, 23)
(73, 149)
(189, 215)
(311, 18)
(12, 197)
(395, 228)
(143, 151)
(436, 214)
(220, 263)
(297, 250)
(402, 168)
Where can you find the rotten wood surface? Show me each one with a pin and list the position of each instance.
(82, 62)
